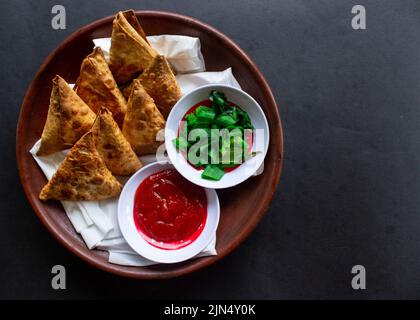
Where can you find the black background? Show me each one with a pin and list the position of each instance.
(349, 192)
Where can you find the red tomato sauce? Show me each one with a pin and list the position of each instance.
(207, 103)
(169, 211)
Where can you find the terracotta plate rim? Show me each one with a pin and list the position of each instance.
(132, 272)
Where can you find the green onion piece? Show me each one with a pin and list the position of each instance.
(244, 119)
(232, 111)
(225, 121)
(212, 172)
(205, 114)
(190, 117)
(202, 108)
(191, 121)
(218, 98)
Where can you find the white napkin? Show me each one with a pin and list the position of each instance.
(96, 221)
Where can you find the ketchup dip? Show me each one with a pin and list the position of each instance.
(169, 211)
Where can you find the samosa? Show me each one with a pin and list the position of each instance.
(130, 52)
(67, 120)
(82, 175)
(143, 121)
(97, 87)
(113, 147)
(161, 84)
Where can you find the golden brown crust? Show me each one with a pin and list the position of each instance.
(97, 87)
(82, 175)
(113, 147)
(161, 84)
(131, 17)
(143, 121)
(130, 53)
(67, 120)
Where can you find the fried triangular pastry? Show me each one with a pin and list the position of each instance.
(67, 120)
(130, 53)
(113, 147)
(143, 121)
(82, 175)
(161, 84)
(97, 87)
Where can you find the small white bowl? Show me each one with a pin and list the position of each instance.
(136, 240)
(260, 143)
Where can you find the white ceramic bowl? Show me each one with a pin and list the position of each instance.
(260, 143)
(144, 248)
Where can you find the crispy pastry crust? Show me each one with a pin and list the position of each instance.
(131, 17)
(82, 175)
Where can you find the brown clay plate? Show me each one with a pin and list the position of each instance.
(242, 207)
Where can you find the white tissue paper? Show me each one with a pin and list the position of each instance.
(96, 221)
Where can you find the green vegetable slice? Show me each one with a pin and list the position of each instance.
(212, 172)
(190, 117)
(225, 120)
(218, 98)
(206, 115)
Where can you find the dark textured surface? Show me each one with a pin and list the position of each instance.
(350, 106)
